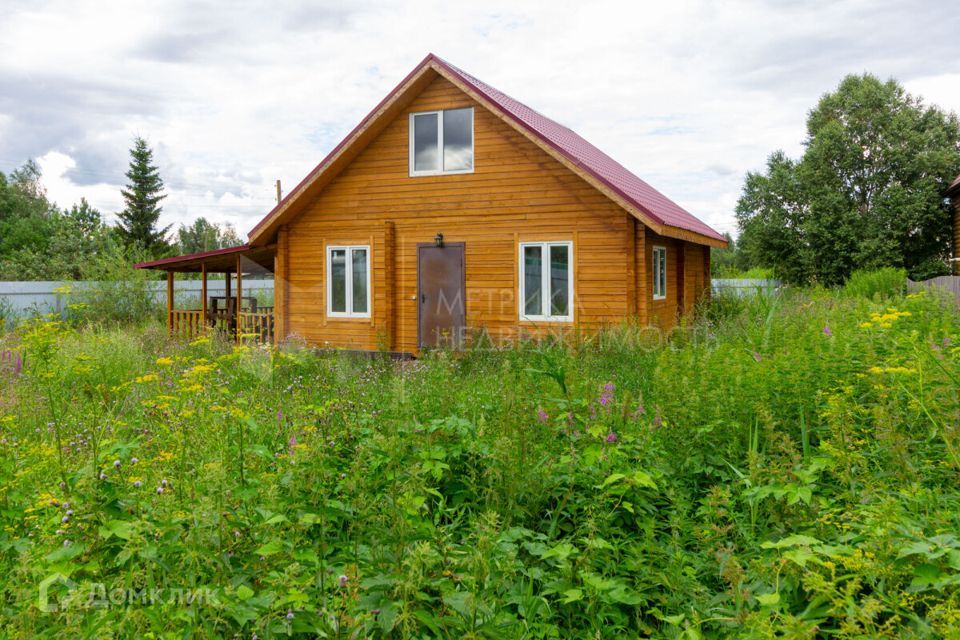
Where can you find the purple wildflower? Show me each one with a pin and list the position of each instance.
(103, 476)
(542, 415)
(134, 460)
(65, 519)
(116, 464)
(343, 581)
(826, 330)
(137, 484)
(657, 421)
(611, 437)
(607, 396)
(290, 615)
(159, 490)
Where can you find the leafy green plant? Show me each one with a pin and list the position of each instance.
(783, 468)
(879, 283)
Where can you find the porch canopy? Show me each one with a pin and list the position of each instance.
(233, 313)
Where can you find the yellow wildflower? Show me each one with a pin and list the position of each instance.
(164, 361)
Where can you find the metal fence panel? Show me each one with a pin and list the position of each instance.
(744, 286)
(26, 298)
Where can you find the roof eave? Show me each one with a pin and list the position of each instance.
(953, 189)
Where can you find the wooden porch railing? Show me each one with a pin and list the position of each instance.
(189, 324)
(258, 326)
(186, 323)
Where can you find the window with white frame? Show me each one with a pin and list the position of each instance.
(441, 142)
(348, 282)
(546, 281)
(659, 273)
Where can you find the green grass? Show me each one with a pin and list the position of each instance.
(783, 467)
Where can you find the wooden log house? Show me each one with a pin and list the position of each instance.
(453, 211)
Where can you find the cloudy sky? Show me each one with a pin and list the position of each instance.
(232, 96)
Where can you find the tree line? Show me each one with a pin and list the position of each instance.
(41, 241)
(866, 193)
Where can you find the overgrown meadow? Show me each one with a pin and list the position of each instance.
(782, 467)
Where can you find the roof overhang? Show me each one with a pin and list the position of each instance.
(252, 260)
(953, 189)
(429, 69)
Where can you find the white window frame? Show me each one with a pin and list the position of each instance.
(662, 294)
(349, 313)
(441, 171)
(546, 294)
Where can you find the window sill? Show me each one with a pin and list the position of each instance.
(342, 316)
(542, 319)
(427, 174)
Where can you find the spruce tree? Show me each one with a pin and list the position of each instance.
(138, 221)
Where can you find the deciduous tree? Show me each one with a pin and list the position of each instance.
(867, 192)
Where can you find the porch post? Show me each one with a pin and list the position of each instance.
(239, 306)
(170, 302)
(280, 286)
(203, 296)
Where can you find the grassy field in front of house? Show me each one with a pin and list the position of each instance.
(782, 467)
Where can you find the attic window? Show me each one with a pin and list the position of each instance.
(441, 142)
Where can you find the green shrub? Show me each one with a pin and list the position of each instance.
(117, 293)
(879, 283)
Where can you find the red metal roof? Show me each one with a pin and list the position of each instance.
(153, 264)
(566, 142)
(589, 158)
(253, 260)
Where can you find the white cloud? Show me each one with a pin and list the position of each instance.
(689, 95)
(64, 192)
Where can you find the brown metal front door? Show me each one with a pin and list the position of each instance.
(441, 295)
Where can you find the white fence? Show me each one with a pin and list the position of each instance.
(744, 286)
(28, 298)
